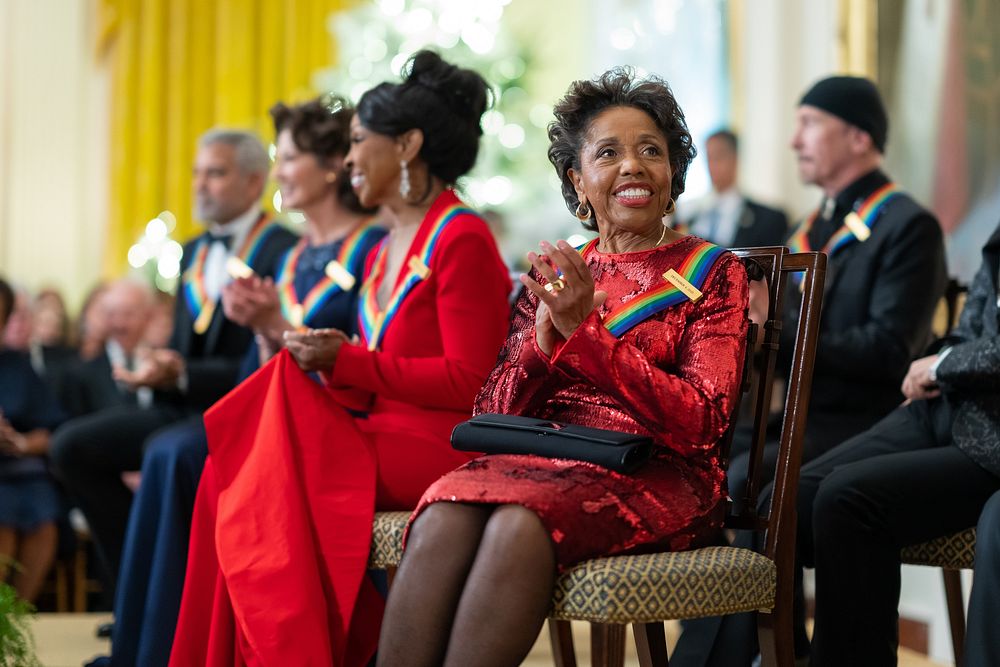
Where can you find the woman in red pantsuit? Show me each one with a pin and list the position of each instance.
(279, 546)
(603, 337)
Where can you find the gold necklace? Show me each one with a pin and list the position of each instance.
(662, 234)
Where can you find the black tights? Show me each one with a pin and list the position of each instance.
(473, 588)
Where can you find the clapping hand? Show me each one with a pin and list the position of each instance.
(254, 302)
(157, 369)
(565, 300)
(12, 443)
(315, 349)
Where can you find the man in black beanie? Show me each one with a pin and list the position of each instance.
(885, 274)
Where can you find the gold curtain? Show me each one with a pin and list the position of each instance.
(180, 67)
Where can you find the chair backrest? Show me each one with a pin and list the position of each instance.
(778, 522)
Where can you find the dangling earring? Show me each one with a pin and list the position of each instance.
(331, 177)
(671, 207)
(583, 211)
(404, 179)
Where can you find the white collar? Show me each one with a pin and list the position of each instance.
(238, 227)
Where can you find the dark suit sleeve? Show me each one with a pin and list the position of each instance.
(909, 284)
(974, 361)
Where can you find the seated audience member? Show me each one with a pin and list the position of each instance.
(203, 359)
(885, 275)
(312, 141)
(50, 323)
(283, 519)
(91, 385)
(982, 645)
(924, 471)
(161, 322)
(488, 539)
(51, 362)
(29, 501)
(91, 325)
(726, 216)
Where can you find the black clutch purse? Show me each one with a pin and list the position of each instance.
(512, 434)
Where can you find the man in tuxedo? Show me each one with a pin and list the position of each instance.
(202, 361)
(725, 216)
(91, 386)
(885, 275)
(924, 471)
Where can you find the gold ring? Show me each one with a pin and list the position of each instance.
(556, 285)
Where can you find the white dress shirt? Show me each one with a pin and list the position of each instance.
(215, 263)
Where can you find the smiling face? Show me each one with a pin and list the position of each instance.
(624, 171)
(301, 176)
(373, 163)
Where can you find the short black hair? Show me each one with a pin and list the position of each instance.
(6, 301)
(618, 87)
(728, 136)
(321, 127)
(443, 101)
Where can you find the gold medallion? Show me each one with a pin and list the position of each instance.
(296, 315)
(858, 228)
(237, 268)
(678, 281)
(418, 267)
(336, 272)
(204, 318)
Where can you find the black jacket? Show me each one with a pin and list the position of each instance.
(970, 375)
(878, 303)
(213, 358)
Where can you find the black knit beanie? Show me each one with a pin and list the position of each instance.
(855, 100)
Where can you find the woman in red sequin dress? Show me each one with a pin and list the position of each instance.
(488, 538)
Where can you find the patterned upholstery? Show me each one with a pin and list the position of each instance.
(655, 587)
(955, 552)
(387, 539)
(633, 589)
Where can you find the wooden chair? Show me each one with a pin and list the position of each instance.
(647, 589)
(952, 553)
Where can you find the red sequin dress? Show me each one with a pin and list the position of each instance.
(674, 376)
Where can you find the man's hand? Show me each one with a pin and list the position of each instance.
(157, 369)
(917, 384)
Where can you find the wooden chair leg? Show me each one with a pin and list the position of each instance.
(607, 645)
(956, 610)
(561, 638)
(774, 634)
(80, 579)
(62, 588)
(650, 644)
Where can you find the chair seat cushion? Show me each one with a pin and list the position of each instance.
(663, 586)
(387, 539)
(953, 552)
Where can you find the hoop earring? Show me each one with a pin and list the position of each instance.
(404, 179)
(671, 207)
(583, 211)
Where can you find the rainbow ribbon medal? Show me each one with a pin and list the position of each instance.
(373, 322)
(339, 276)
(682, 284)
(857, 225)
(195, 294)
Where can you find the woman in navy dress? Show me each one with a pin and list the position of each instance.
(29, 500)
(317, 288)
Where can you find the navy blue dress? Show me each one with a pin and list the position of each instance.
(151, 580)
(28, 495)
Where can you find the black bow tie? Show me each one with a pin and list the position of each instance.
(224, 239)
